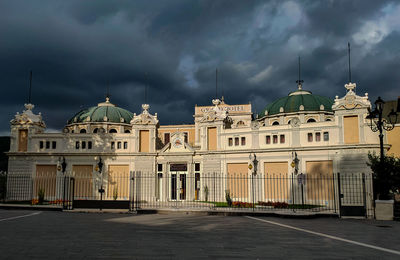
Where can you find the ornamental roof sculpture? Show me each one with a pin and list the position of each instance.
(351, 100)
(145, 118)
(216, 113)
(28, 117)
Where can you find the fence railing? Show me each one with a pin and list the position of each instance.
(203, 191)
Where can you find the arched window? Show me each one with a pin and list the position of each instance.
(288, 122)
(127, 131)
(311, 120)
(95, 130)
(328, 119)
(82, 131)
(112, 131)
(275, 123)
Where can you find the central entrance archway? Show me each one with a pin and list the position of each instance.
(178, 183)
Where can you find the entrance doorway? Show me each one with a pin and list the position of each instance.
(178, 183)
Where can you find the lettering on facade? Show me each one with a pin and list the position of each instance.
(239, 108)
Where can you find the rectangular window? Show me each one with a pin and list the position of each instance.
(112, 145)
(197, 167)
(77, 145)
(243, 140)
(53, 145)
(83, 145)
(326, 136)
(309, 137)
(317, 136)
(186, 135)
(41, 144)
(89, 145)
(230, 141)
(119, 145)
(166, 138)
(47, 144)
(268, 139)
(159, 167)
(236, 141)
(282, 139)
(275, 139)
(125, 145)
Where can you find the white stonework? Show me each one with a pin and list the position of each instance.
(237, 136)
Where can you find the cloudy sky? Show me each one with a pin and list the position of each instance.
(75, 47)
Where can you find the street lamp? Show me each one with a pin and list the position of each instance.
(253, 165)
(99, 168)
(62, 165)
(378, 123)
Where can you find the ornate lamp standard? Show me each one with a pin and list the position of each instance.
(377, 123)
(253, 165)
(99, 168)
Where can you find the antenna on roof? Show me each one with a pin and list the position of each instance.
(348, 50)
(299, 81)
(146, 88)
(108, 90)
(30, 87)
(222, 86)
(216, 83)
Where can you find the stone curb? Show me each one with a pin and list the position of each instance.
(303, 215)
(30, 207)
(209, 213)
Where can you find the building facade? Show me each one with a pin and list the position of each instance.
(326, 136)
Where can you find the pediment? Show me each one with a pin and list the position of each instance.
(351, 100)
(177, 145)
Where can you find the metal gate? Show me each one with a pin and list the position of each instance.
(352, 190)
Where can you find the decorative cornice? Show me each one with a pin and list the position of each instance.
(28, 117)
(351, 100)
(145, 118)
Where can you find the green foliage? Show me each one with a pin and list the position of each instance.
(386, 175)
(206, 193)
(228, 198)
(115, 193)
(41, 195)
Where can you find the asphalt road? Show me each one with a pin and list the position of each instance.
(55, 235)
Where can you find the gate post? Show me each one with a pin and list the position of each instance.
(364, 195)
(132, 191)
(339, 195)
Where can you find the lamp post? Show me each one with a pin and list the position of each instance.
(377, 122)
(99, 168)
(62, 166)
(253, 165)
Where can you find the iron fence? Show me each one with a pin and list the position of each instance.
(345, 194)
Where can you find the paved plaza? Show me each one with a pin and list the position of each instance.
(51, 235)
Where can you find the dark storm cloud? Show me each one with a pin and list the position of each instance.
(75, 47)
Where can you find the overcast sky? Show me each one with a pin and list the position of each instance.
(75, 47)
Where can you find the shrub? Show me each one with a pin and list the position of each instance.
(115, 193)
(386, 174)
(228, 198)
(206, 193)
(41, 196)
(277, 205)
(239, 204)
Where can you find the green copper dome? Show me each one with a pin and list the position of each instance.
(300, 100)
(103, 112)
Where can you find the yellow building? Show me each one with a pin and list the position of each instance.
(326, 136)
